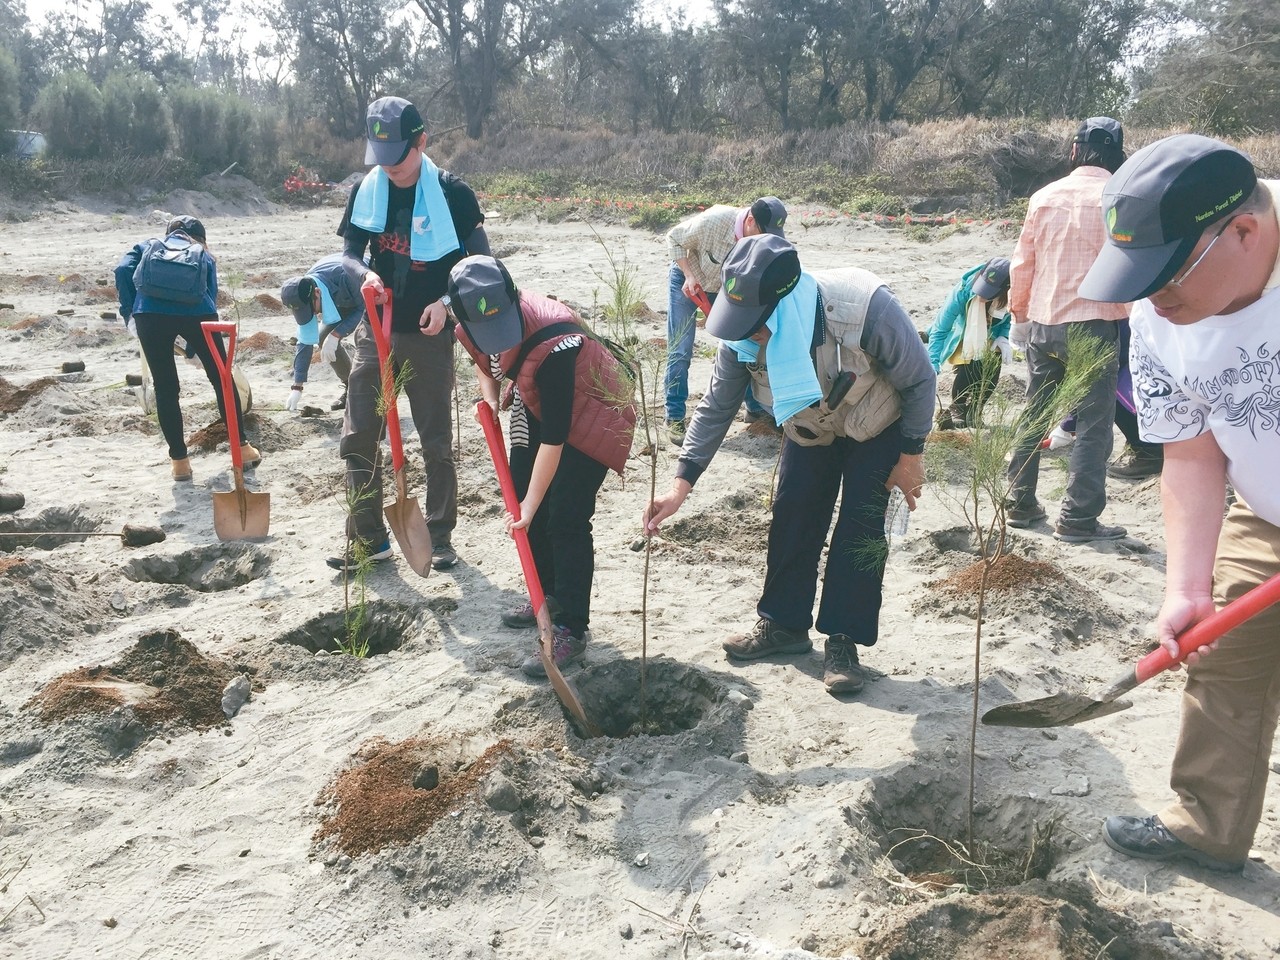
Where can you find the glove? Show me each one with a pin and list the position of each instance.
(131, 327)
(1020, 334)
(1005, 347)
(294, 401)
(329, 348)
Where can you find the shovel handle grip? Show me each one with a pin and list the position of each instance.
(703, 303)
(211, 329)
(498, 451)
(1211, 628)
(380, 324)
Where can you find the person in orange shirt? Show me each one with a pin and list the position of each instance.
(1060, 239)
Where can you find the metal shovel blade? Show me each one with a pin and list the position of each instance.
(409, 527)
(240, 514)
(1059, 710)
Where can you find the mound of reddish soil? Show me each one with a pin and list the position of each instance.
(13, 398)
(1008, 573)
(395, 792)
(162, 677)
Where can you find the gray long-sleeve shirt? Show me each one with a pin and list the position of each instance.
(888, 336)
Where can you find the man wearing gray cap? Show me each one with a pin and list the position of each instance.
(416, 221)
(1193, 236)
(698, 246)
(1060, 237)
(327, 306)
(850, 383)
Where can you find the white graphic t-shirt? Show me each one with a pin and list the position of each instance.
(1220, 375)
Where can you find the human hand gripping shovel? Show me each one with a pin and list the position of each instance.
(239, 514)
(404, 516)
(1065, 708)
(537, 599)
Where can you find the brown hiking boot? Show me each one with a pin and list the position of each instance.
(181, 469)
(841, 672)
(766, 640)
(249, 455)
(1137, 465)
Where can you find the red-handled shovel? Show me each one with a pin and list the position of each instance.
(404, 516)
(1064, 709)
(537, 599)
(238, 515)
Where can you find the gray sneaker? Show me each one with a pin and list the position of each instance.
(1025, 515)
(841, 672)
(1148, 839)
(766, 640)
(676, 431)
(1070, 533)
(565, 649)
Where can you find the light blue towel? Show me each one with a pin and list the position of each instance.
(792, 379)
(433, 235)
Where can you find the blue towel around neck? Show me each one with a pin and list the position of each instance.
(792, 378)
(433, 235)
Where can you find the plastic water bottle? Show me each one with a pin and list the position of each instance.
(897, 515)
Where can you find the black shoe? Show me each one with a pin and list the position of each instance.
(1024, 516)
(443, 557)
(1070, 533)
(348, 563)
(1148, 839)
(1137, 465)
(841, 672)
(340, 403)
(765, 640)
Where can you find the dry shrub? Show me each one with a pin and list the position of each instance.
(377, 802)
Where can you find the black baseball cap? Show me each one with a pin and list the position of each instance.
(758, 272)
(1101, 132)
(192, 227)
(485, 301)
(770, 214)
(393, 125)
(1156, 207)
(993, 280)
(297, 294)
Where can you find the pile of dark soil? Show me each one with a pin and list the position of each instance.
(162, 677)
(261, 432)
(13, 397)
(395, 792)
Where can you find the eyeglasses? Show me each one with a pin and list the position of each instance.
(1179, 281)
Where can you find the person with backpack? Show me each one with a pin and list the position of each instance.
(327, 305)
(974, 318)
(166, 286)
(573, 416)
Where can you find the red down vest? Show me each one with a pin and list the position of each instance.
(604, 414)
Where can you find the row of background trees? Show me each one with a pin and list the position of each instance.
(124, 75)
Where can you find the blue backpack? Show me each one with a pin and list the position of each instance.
(175, 269)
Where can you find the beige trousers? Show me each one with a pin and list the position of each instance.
(1230, 705)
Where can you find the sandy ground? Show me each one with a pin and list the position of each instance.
(762, 818)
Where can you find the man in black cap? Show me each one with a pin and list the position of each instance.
(850, 383)
(1060, 237)
(416, 221)
(698, 246)
(327, 305)
(1193, 235)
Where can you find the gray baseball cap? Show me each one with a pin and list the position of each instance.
(392, 123)
(486, 303)
(993, 280)
(758, 272)
(1100, 132)
(296, 294)
(1156, 207)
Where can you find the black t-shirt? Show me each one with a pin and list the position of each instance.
(556, 379)
(412, 285)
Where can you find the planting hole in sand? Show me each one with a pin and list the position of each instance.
(385, 627)
(207, 569)
(53, 519)
(678, 697)
(160, 678)
(393, 792)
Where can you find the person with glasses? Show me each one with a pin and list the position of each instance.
(1193, 237)
(1060, 238)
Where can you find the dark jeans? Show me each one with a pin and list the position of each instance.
(560, 534)
(156, 334)
(972, 386)
(809, 479)
(427, 390)
(1087, 469)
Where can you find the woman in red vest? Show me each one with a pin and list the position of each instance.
(572, 420)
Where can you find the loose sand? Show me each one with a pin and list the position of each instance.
(430, 801)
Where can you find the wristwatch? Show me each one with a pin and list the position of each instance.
(446, 301)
